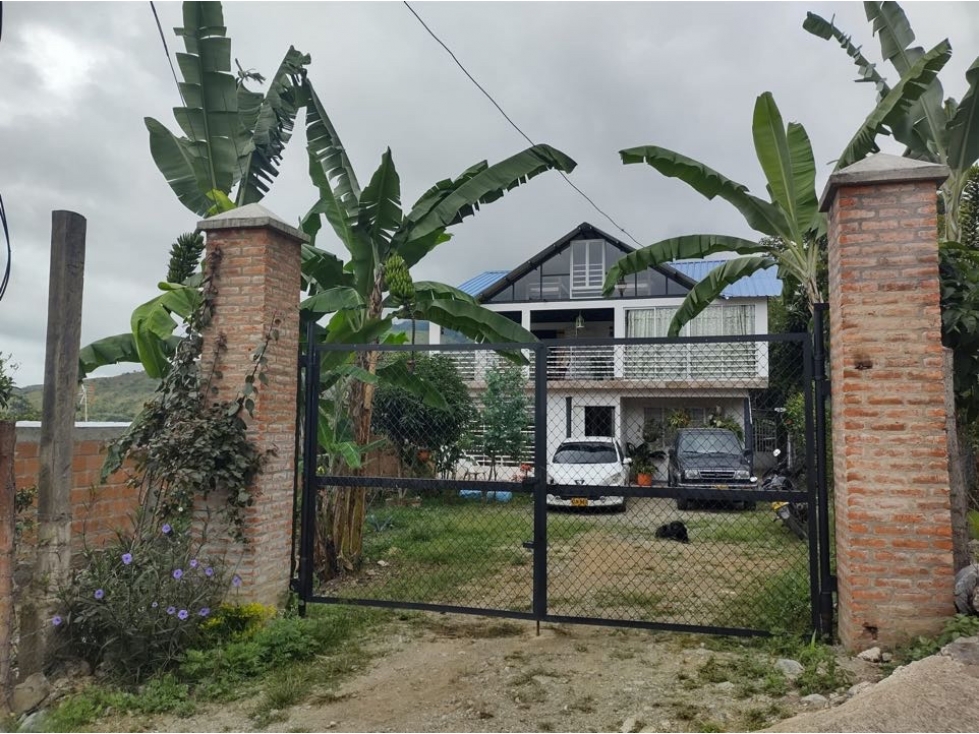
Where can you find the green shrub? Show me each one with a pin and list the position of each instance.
(231, 622)
(137, 604)
(961, 625)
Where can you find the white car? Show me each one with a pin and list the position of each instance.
(588, 462)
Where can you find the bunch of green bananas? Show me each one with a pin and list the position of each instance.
(398, 279)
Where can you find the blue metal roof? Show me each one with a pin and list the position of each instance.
(760, 284)
(475, 286)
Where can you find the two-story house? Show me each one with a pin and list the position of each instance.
(615, 389)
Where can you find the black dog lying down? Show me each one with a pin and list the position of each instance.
(675, 530)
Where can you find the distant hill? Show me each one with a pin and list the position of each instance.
(118, 398)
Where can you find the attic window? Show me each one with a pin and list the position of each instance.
(587, 268)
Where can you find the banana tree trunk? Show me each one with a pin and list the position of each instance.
(345, 508)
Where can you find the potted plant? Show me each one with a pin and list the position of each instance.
(644, 470)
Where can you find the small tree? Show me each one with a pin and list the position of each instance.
(412, 423)
(504, 415)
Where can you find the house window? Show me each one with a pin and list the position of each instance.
(587, 268)
(599, 420)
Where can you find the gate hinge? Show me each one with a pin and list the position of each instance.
(528, 544)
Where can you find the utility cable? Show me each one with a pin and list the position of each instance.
(5, 280)
(513, 124)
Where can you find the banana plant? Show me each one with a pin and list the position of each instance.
(233, 138)
(930, 130)
(232, 144)
(790, 222)
(362, 296)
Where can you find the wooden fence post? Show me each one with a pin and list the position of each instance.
(53, 561)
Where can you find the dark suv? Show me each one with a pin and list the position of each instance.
(709, 458)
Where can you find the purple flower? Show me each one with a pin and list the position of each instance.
(155, 604)
(193, 563)
(99, 593)
(178, 573)
(127, 558)
(56, 620)
(183, 614)
(208, 571)
(204, 611)
(171, 610)
(166, 529)
(236, 580)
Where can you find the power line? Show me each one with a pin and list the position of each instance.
(5, 280)
(166, 49)
(513, 124)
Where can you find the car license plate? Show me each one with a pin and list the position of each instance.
(579, 502)
(719, 486)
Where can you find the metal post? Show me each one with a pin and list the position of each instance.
(821, 386)
(540, 485)
(814, 588)
(307, 531)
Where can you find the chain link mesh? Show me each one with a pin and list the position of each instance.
(657, 505)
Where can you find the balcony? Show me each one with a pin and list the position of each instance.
(724, 364)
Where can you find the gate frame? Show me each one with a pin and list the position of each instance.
(816, 390)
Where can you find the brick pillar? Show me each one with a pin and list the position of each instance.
(257, 280)
(890, 467)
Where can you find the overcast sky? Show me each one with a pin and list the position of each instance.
(77, 79)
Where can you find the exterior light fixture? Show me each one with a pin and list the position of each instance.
(579, 323)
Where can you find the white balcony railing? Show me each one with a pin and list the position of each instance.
(651, 363)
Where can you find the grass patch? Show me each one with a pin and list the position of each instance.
(288, 659)
(758, 717)
(163, 695)
(640, 601)
(821, 672)
(435, 550)
(777, 602)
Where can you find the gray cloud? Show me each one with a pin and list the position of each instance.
(588, 78)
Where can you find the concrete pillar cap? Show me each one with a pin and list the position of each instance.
(251, 216)
(882, 168)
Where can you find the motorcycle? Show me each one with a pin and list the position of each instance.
(794, 515)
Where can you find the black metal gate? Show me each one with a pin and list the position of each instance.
(528, 535)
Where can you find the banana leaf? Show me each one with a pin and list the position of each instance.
(896, 104)
(762, 216)
(330, 170)
(710, 288)
(692, 246)
(379, 217)
(786, 159)
(152, 325)
(331, 300)
(275, 116)
(963, 127)
(486, 185)
(868, 71)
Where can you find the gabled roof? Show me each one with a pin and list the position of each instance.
(582, 230)
(761, 284)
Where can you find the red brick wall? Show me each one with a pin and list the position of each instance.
(893, 530)
(97, 510)
(258, 280)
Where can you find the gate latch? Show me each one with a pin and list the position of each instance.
(528, 544)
